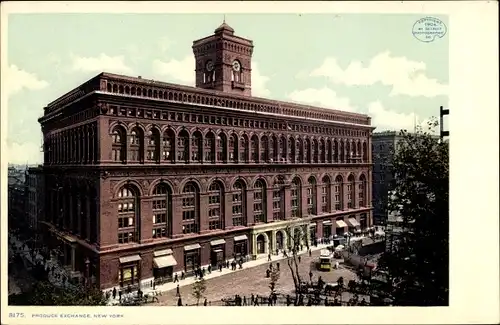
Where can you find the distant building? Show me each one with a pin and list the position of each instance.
(35, 200)
(16, 194)
(382, 149)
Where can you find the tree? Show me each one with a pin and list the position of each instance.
(199, 288)
(44, 293)
(296, 234)
(418, 265)
(275, 276)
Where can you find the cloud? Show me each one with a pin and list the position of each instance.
(406, 77)
(18, 79)
(388, 120)
(324, 97)
(183, 71)
(103, 62)
(175, 70)
(22, 153)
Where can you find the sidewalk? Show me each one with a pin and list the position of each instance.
(261, 259)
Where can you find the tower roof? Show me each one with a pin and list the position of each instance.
(224, 28)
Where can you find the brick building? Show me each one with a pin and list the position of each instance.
(145, 178)
(35, 200)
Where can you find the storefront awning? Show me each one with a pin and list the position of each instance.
(340, 224)
(353, 222)
(167, 251)
(164, 261)
(312, 224)
(240, 238)
(218, 250)
(217, 242)
(128, 259)
(192, 247)
(327, 222)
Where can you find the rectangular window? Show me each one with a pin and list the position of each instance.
(188, 215)
(126, 237)
(213, 225)
(189, 228)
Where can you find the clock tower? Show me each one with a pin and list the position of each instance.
(224, 62)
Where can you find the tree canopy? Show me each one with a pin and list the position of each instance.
(418, 265)
(44, 293)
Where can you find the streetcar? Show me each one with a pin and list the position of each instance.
(325, 260)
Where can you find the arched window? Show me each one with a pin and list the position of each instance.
(311, 196)
(339, 193)
(362, 191)
(325, 194)
(273, 149)
(162, 211)
(255, 148)
(299, 151)
(278, 199)
(329, 151)
(239, 204)
(291, 150)
(168, 153)
(264, 149)
(342, 152)
(348, 150)
(260, 201)
(233, 148)
(209, 147)
(183, 147)
(128, 215)
(154, 145)
(322, 151)
(190, 208)
(282, 149)
(136, 145)
(196, 147)
(308, 151)
(295, 197)
(215, 206)
(365, 153)
(118, 144)
(351, 185)
(335, 150)
(221, 147)
(315, 151)
(244, 149)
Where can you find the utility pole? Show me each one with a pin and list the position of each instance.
(442, 113)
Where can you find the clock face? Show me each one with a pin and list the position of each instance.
(236, 66)
(209, 66)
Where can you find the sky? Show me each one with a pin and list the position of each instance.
(366, 63)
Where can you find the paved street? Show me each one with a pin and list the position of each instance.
(253, 280)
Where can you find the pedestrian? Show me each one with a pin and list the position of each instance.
(114, 293)
(227, 264)
(278, 266)
(268, 257)
(220, 267)
(299, 258)
(310, 252)
(176, 278)
(182, 275)
(120, 295)
(205, 302)
(252, 298)
(301, 247)
(209, 269)
(178, 291)
(179, 302)
(203, 271)
(245, 300)
(310, 276)
(277, 251)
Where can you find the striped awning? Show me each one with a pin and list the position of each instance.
(240, 238)
(192, 247)
(128, 259)
(164, 261)
(167, 251)
(353, 222)
(217, 242)
(340, 224)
